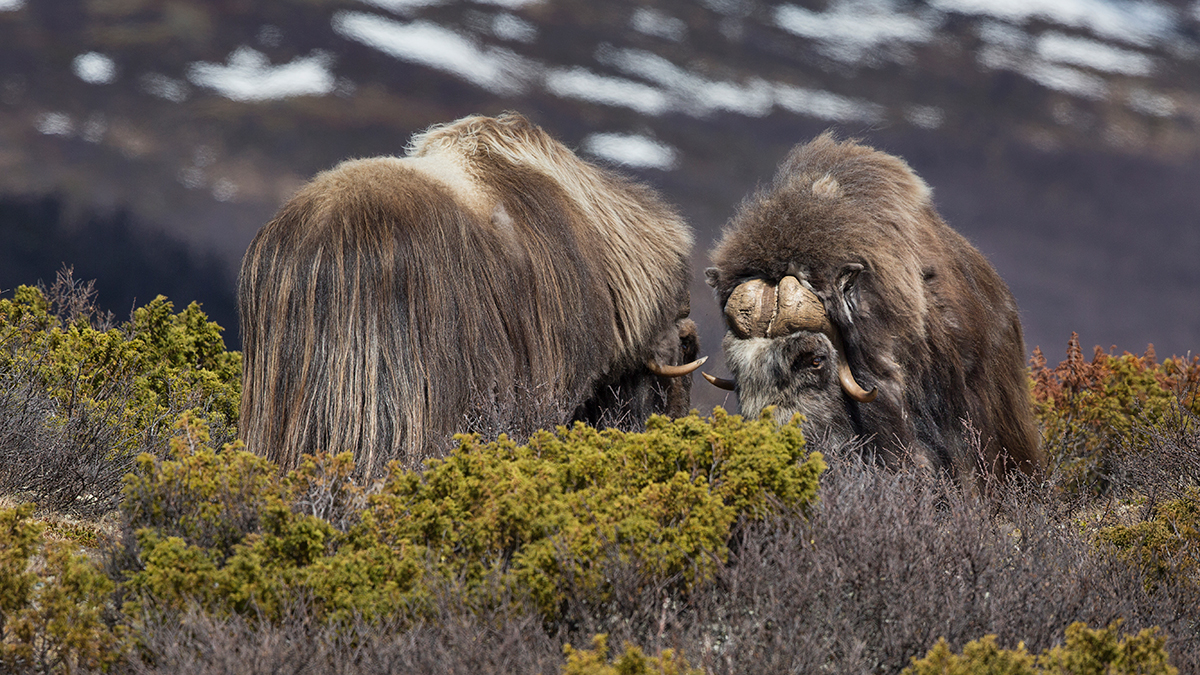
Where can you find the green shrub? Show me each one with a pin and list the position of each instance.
(210, 498)
(1167, 545)
(538, 520)
(633, 661)
(192, 513)
(979, 657)
(79, 399)
(550, 510)
(51, 617)
(1086, 652)
(183, 361)
(160, 361)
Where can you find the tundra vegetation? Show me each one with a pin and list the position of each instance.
(137, 537)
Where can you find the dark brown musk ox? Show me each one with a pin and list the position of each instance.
(489, 280)
(848, 299)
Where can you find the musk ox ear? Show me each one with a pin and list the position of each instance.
(850, 272)
(847, 284)
(711, 276)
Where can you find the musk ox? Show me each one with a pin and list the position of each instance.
(489, 280)
(848, 299)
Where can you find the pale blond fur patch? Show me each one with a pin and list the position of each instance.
(826, 187)
(449, 169)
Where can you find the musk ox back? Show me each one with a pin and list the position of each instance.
(848, 299)
(489, 280)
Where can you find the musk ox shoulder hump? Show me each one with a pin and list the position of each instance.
(388, 173)
(621, 206)
(642, 235)
(859, 173)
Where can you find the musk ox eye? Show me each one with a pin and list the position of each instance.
(808, 362)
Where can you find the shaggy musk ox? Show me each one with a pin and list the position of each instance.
(848, 299)
(489, 280)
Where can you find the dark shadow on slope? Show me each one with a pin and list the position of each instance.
(130, 263)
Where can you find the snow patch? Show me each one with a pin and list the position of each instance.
(1150, 103)
(497, 70)
(224, 190)
(652, 22)
(688, 92)
(825, 105)
(1066, 79)
(633, 150)
(94, 68)
(1078, 51)
(404, 7)
(1139, 22)
(510, 4)
(511, 27)
(855, 31)
(249, 76)
(1054, 60)
(584, 85)
(650, 85)
(54, 124)
(925, 116)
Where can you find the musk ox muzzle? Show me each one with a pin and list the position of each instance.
(757, 309)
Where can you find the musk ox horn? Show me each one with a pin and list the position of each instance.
(675, 371)
(750, 308)
(720, 382)
(798, 309)
(851, 386)
(758, 309)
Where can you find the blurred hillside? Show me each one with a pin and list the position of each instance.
(145, 141)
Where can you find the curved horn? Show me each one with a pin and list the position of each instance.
(849, 385)
(720, 382)
(675, 371)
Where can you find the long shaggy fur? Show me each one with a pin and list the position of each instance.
(488, 280)
(924, 316)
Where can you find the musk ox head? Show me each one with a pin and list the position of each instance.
(489, 280)
(849, 300)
